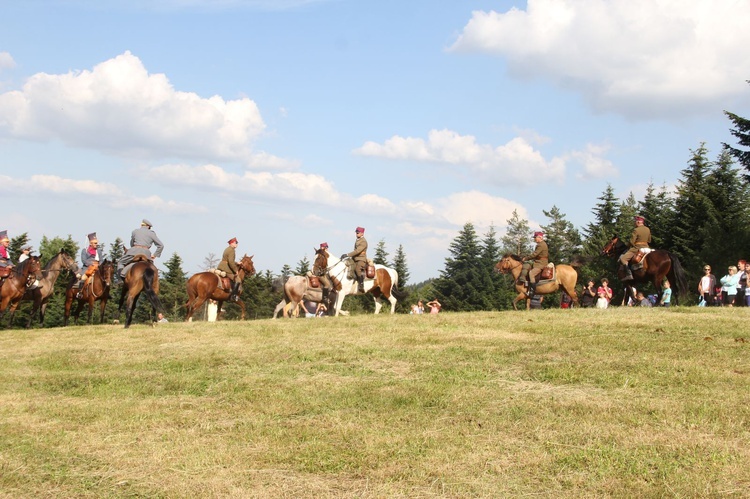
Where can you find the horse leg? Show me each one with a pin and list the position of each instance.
(77, 313)
(242, 306)
(378, 303)
(34, 308)
(130, 308)
(279, 308)
(68, 304)
(91, 309)
(102, 308)
(197, 302)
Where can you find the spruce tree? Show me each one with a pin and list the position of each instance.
(517, 238)
(658, 210)
(604, 227)
(402, 269)
(381, 255)
(563, 239)
(16, 243)
(495, 288)
(459, 287)
(173, 289)
(741, 131)
(303, 266)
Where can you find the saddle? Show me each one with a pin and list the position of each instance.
(637, 261)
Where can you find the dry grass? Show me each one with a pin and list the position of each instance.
(615, 403)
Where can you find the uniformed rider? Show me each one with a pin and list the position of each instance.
(640, 238)
(359, 256)
(140, 244)
(90, 254)
(5, 263)
(535, 262)
(322, 275)
(229, 265)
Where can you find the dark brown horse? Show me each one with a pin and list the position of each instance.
(565, 277)
(141, 277)
(657, 265)
(42, 294)
(207, 285)
(14, 286)
(96, 290)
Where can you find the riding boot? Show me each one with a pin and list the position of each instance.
(532, 289)
(361, 281)
(627, 273)
(233, 294)
(81, 285)
(325, 296)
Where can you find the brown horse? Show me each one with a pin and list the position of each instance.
(14, 286)
(565, 277)
(205, 285)
(141, 277)
(42, 293)
(96, 290)
(657, 265)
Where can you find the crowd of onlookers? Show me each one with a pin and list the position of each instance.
(729, 291)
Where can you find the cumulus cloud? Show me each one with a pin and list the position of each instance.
(119, 108)
(595, 165)
(639, 58)
(104, 192)
(479, 208)
(516, 162)
(6, 61)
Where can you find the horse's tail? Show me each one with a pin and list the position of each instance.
(149, 275)
(398, 294)
(678, 278)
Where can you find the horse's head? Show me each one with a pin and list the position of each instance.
(68, 261)
(107, 270)
(320, 265)
(507, 263)
(247, 264)
(609, 248)
(31, 268)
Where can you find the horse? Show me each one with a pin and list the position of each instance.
(565, 277)
(141, 277)
(657, 265)
(15, 285)
(205, 285)
(42, 293)
(297, 288)
(97, 290)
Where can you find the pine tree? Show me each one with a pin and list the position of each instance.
(563, 239)
(303, 266)
(173, 292)
(402, 269)
(210, 262)
(658, 210)
(627, 211)
(286, 271)
(116, 250)
(460, 287)
(495, 288)
(741, 131)
(16, 243)
(604, 227)
(381, 255)
(517, 236)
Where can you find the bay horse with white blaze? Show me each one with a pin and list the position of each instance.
(565, 278)
(657, 265)
(15, 285)
(207, 285)
(96, 290)
(42, 293)
(141, 277)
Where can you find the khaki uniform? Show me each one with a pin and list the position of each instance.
(229, 264)
(540, 258)
(359, 256)
(640, 238)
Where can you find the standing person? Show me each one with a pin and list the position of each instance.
(90, 254)
(539, 259)
(420, 307)
(640, 238)
(359, 255)
(588, 296)
(140, 244)
(325, 281)
(741, 285)
(666, 295)
(604, 293)
(747, 295)
(729, 286)
(706, 286)
(565, 300)
(435, 306)
(229, 265)
(4, 255)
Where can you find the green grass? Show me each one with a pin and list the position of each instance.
(581, 403)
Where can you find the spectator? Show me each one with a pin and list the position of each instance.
(642, 300)
(604, 294)
(747, 273)
(739, 300)
(536, 302)
(420, 307)
(588, 295)
(435, 306)
(565, 300)
(706, 286)
(729, 286)
(666, 295)
(161, 318)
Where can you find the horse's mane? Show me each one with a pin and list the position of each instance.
(513, 256)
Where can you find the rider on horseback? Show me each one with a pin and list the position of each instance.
(5, 263)
(89, 255)
(140, 243)
(640, 238)
(359, 255)
(322, 275)
(540, 258)
(229, 265)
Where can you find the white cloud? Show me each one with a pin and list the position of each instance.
(516, 162)
(103, 193)
(640, 58)
(479, 208)
(6, 61)
(595, 165)
(119, 108)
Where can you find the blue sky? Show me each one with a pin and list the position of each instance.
(289, 123)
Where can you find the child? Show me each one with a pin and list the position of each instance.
(666, 295)
(604, 292)
(642, 300)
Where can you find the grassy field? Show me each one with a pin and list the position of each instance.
(563, 403)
